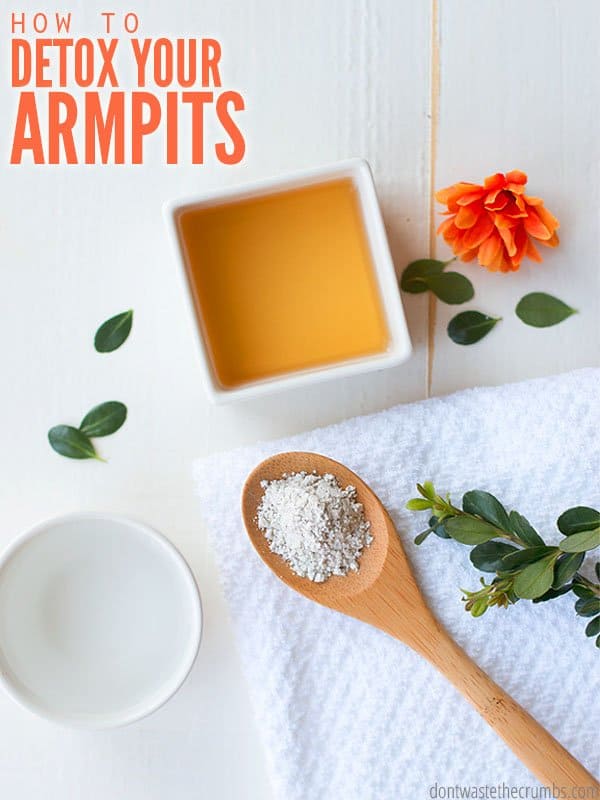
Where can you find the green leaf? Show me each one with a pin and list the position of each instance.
(598, 642)
(527, 556)
(112, 333)
(580, 542)
(588, 607)
(485, 505)
(479, 608)
(469, 530)
(593, 627)
(420, 538)
(426, 490)
(451, 287)
(414, 277)
(552, 593)
(488, 556)
(71, 442)
(535, 579)
(438, 528)
(542, 310)
(578, 519)
(582, 591)
(524, 530)
(469, 327)
(104, 419)
(566, 566)
(418, 504)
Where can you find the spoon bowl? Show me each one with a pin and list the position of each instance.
(337, 588)
(384, 593)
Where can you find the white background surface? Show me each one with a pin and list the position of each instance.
(518, 88)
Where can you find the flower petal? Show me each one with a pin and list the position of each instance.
(496, 181)
(535, 227)
(515, 209)
(469, 198)
(458, 244)
(533, 252)
(508, 239)
(452, 193)
(496, 263)
(547, 218)
(467, 217)
(553, 241)
(520, 246)
(516, 176)
(446, 227)
(469, 255)
(480, 231)
(496, 200)
(503, 221)
(489, 249)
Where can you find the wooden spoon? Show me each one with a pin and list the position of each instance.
(384, 593)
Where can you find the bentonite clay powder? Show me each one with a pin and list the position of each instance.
(319, 528)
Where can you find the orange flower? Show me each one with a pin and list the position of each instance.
(496, 222)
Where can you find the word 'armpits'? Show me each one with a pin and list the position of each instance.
(103, 124)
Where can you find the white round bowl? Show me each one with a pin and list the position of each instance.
(100, 620)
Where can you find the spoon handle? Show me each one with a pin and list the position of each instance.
(530, 742)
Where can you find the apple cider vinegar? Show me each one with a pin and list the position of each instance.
(283, 282)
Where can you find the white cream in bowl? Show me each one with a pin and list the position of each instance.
(100, 620)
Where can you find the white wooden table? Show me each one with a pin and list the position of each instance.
(429, 93)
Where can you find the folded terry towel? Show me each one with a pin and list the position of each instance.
(347, 712)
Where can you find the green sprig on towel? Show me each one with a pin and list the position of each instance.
(506, 545)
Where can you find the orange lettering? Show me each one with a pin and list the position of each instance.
(63, 22)
(21, 77)
(63, 46)
(61, 129)
(41, 63)
(43, 24)
(14, 22)
(172, 128)
(141, 57)
(190, 78)
(108, 127)
(234, 133)
(108, 20)
(211, 53)
(84, 62)
(197, 100)
(139, 128)
(27, 118)
(108, 71)
(163, 62)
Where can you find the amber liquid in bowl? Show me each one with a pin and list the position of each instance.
(283, 282)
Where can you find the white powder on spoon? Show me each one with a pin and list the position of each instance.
(319, 528)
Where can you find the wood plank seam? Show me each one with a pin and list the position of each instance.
(434, 110)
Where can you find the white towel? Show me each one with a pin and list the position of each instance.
(348, 712)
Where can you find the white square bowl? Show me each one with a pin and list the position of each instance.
(399, 345)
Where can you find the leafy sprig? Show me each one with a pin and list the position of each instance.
(102, 420)
(507, 545)
(537, 309)
(427, 274)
